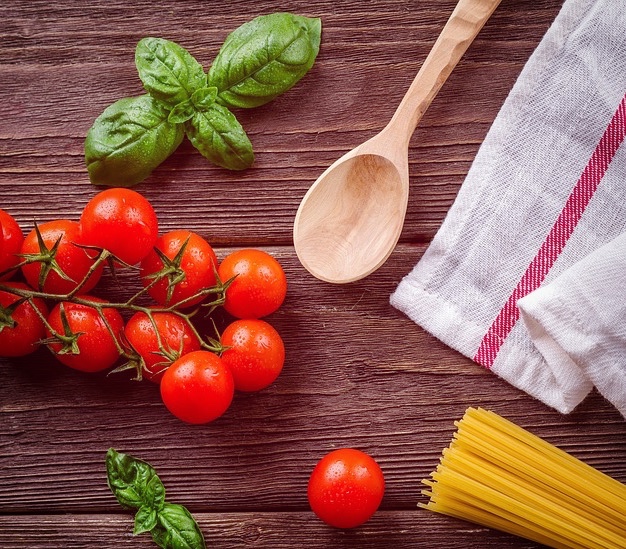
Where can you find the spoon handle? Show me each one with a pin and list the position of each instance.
(464, 24)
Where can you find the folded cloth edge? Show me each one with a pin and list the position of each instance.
(562, 390)
(566, 339)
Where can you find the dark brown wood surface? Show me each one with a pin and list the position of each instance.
(358, 372)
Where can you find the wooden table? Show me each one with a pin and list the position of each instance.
(358, 372)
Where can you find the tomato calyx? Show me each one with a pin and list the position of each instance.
(171, 270)
(68, 339)
(135, 361)
(47, 257)
(6, 314)
(174, 273)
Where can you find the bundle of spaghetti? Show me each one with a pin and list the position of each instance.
(499, 475)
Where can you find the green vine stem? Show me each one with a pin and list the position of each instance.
(130, 306)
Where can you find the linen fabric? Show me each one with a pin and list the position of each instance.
(578, 321)
(546, 189)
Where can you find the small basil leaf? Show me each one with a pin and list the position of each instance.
(219, 136)
(168, 71)
(159, 535)
(181, 112)
(145, 520)
(204, 97)
(134, 483)
(129, 140)
(177, 529)
(264, 58)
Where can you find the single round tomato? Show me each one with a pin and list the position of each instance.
(158, 348)
(254, 353)
(10, 244)
(259, 287)
(97, 350)
(74, 261)
(346, 488)
(24, 337)
(121, 221)
(191, 271)
(198, 387)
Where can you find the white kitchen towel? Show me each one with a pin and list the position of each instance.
(546, 189)
(578, 321)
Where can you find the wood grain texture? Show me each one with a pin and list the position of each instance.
(358, 373)
(401, 529)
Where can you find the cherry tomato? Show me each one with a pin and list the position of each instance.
(11, 244)
(29, 328)
(345, 488)
(73, 260)
(259, 287)
(96, 346)
(198, 387)
(121, 221)
(175, 339)
(255, 353)
(195, 268)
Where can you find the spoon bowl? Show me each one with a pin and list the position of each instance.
(355, 218)
(351, 218)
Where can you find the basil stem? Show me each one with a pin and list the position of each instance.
(136, 485)
(218, 135)
(129, 140)
(168, 71)
(264, 58)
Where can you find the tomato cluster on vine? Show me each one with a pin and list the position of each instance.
(46, 278)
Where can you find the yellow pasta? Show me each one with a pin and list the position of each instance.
(499, 475)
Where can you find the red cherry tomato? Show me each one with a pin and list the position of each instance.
(96, 346)
(11, 244)
(29, 328)
(121, 221)
(259, 287)
(346, 488)
(255, 353)
(196, 268)
(73, 260)
(175, 338)
(197, 388)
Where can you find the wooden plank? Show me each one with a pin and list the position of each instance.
(401, 529)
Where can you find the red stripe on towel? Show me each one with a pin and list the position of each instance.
(557, 237)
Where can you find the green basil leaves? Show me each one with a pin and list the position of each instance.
(264, 58)
(128, 140)
(258, 61)
(168, 72)
(136, 485)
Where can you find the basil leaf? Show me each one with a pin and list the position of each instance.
(129, 140)
(181, 112)
(177, 529)
(200, 101)
(168, 71)
(264, 58)
(204, 97)
(145, 520)
(218, 135)
(134, 483)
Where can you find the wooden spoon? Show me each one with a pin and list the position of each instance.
(349, 221)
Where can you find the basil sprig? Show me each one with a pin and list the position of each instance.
(260, 60)
(136, 485)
